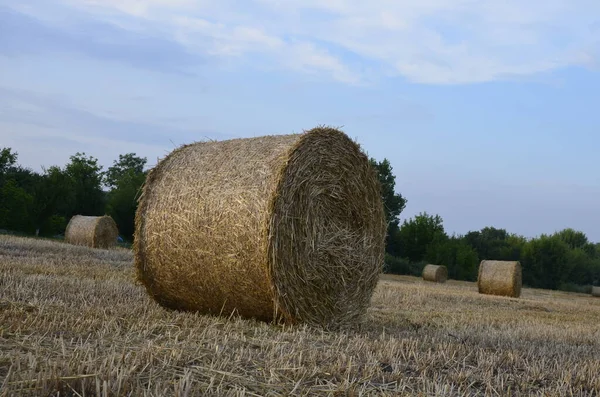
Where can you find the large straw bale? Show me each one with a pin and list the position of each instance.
(435, 273)
(92, 231)
(500, 278)
(596, 291)
(286, 228)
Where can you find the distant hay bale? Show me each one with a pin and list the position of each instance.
(92, 231)
(435, 273)
(500, 278)
(596, 291)
(286, 228)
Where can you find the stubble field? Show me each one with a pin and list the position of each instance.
(73, 322)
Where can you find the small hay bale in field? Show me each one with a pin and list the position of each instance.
(92, 231)
(596, 291)
(285, 228)
(435, 273)
(500, 278)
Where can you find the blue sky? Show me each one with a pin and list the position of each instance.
(487, 110)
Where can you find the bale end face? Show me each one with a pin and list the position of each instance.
(501, 278)
(435, 273)
(596, 291)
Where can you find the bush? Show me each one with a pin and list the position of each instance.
(15, 208)
(395, 265)
(54, 225)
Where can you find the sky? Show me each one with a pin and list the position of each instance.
(487, 110)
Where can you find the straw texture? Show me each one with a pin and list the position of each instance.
(92, 231)
(435, 273)
(286, 228)
(500, 278)
(596, 291)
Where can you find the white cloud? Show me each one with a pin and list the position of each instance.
(307, 57)
(223, 40)
(425, 41)
(140, 8)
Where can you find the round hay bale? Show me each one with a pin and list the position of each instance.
(596, 291)
(92, 231)
(500, 278)
(435, 273)
(286, 228)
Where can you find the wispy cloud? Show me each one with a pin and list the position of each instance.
(428, 41)
(24, 33)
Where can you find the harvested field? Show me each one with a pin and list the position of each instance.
(74, 321)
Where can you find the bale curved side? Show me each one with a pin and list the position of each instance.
(92, 231)
(596, 291)
(503, 278)
(435, 273)
(286, 227)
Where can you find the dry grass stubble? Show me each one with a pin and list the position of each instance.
(72, 320)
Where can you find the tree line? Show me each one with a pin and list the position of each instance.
(42, 203)
(564, 260)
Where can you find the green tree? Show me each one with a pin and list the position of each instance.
(15, 201)
(122, 202)
(86, 178)
(545, 262)
(514, 247)
(573, 238)
(7, 160)
(54, 193)
(577, 239)
(125, 177)
(127, 163)
(582, 267)
(9, 169)
(457, 255)
(25, 178)
(394, 203)
(418, 233)
(495, 244)
(15, 207)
